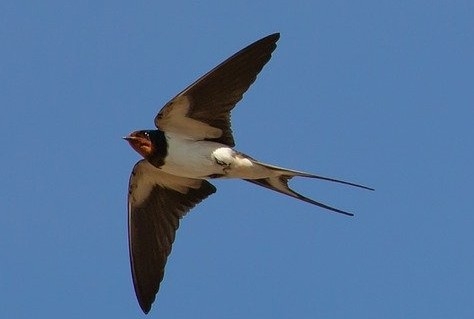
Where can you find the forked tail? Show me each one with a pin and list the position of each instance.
(279, 183)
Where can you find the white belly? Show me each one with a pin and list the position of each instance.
(201, 159)
(190, 158)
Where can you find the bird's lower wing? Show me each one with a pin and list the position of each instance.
(156, 202)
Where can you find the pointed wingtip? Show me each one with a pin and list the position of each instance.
(275, 35)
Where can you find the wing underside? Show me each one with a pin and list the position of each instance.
(202, 110)
(157, 201)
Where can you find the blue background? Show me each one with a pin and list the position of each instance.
(375, 92)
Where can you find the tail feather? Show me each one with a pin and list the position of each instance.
(291, 173)
(279, 183)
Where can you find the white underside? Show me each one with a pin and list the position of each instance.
(200, 159)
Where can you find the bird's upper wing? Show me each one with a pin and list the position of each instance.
(156, 202)
(202, 110)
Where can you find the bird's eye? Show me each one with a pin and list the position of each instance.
(147, 134)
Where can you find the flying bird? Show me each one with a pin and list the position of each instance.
(193, 143)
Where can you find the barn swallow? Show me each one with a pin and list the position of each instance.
(192, 144)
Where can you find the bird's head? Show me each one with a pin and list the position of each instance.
(141, 142)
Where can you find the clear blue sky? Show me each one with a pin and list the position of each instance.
(375, 92)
